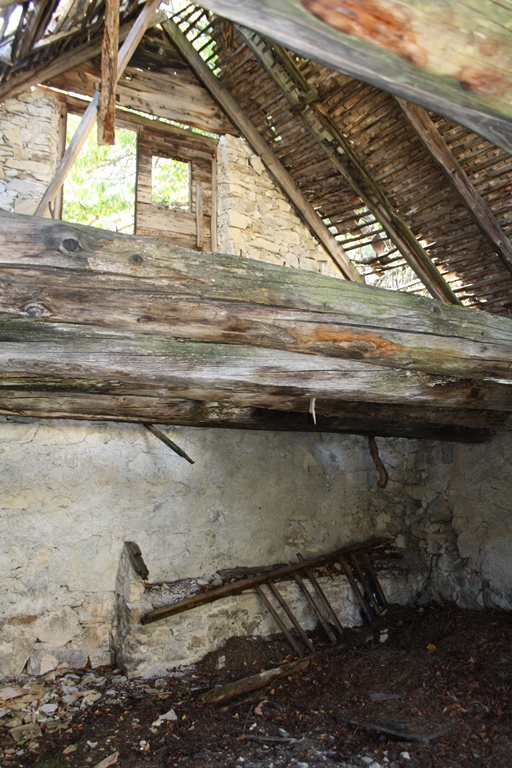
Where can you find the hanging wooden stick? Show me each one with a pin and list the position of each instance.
(381, 469)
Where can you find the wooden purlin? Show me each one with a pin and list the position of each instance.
(278, 171)
(305, 101)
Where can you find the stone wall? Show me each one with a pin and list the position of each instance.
(28, 149)
(72, 494)
(255, 218)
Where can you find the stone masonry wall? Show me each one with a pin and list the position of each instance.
(72, 493)
(255, 217)
(28, 149)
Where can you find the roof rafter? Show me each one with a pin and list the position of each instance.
(441, 153)
(259, 145)
(305, 102)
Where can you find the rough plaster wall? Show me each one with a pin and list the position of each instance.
(73, 492)
(255, 217)
(28, 149)
(480, 495)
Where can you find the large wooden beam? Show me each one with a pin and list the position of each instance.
(357, 418)
(75, 145)
(99, 323)
(303, 100)
(455, 58)
(459, 180)
(259, 145)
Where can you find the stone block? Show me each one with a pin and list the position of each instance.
(58, 628)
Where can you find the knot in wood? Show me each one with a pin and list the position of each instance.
(71, 245)
(136, 258)
(36, 310)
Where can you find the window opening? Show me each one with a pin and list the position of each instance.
(170, 183)
(100, 189)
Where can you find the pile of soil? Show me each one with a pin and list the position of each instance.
(421, 687)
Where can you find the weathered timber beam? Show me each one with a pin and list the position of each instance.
(58, 357)
(342, 418)
(315, 116)
(75, 145)
(107, 98)
(459, 180)
(260, 147)
(454, 59)
(57, 273)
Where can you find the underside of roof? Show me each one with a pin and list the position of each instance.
(382, 183)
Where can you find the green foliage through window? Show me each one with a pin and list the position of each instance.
(170, 183)
(100, 189)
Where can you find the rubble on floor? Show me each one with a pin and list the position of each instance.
(424, 686)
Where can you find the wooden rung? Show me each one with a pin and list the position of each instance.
(280, 623)
(314, 607)
(286, 608)
(322, 597)
(367, 588)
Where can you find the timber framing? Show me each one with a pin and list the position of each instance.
(99, 325)
(259, 145)
(305, 101)
(427, 53)
(452, 169)
(89, 117)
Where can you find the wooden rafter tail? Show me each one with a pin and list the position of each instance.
(440, 152)
(260, 147)
(107, 99)
(304, 101)
(126, 52)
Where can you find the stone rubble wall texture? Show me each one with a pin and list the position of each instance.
(255, 217)
(73, 492)
(28, 149)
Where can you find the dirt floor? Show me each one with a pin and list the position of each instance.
(422, 687)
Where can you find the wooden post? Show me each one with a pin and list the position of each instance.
(107, 100)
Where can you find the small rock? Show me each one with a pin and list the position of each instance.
(70, 749)
(92, 744)
(89, 679)
(405, 755)
(221, 662)
(383, 637)
(4, 712)
(170, 715)
(48, 709)
(69, 698)
(26, 732)
(90, 698)
(12, 692)
(161, 682)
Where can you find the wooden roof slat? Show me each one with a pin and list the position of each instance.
(317, 119)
